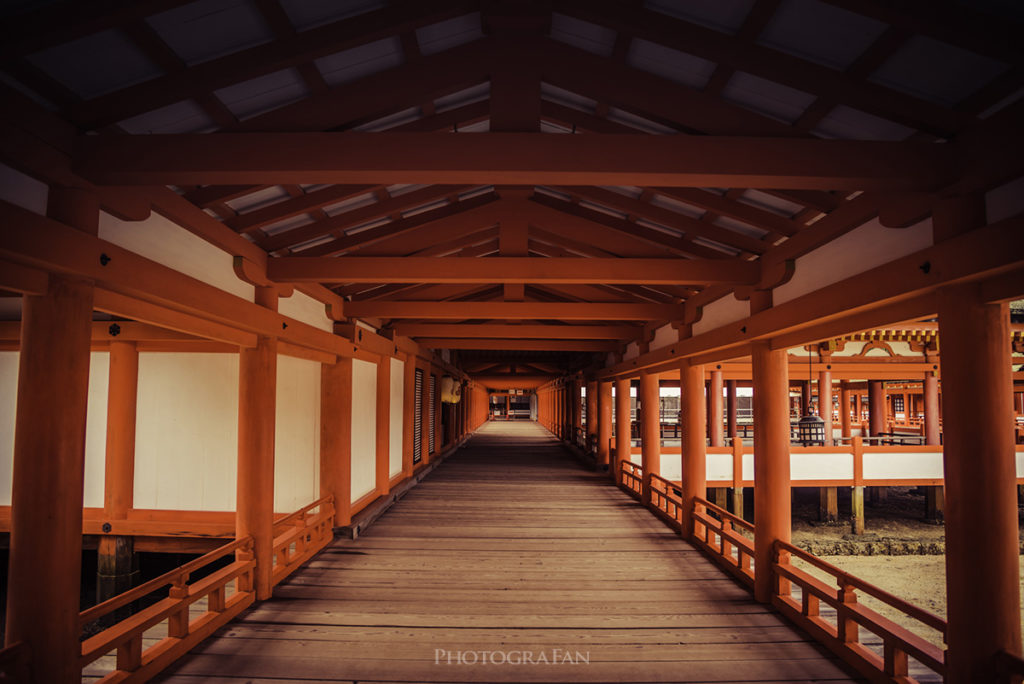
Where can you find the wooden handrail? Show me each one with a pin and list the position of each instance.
(725, 515)
(305, 509)
(845, 578)
(305, 536)
(177, 575)
(14, 663)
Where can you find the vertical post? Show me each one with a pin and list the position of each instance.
(623, 427)
(844, 407)
(383, 426)
(336, 437)
(593, 422)
(117, 565)
(257, 400)
(694, 446)
(716, 429)
(934, 495)
(982, 562)
(876, 407)
(828, 505)
(805, 398)
(771, 462)
(650, 426)
(409, 412)
(49, 462)
(730, 403)
(604, 423)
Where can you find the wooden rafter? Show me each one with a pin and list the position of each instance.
(587, 311)
(523, 331)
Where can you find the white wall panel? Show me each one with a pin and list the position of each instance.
(879, 466)
(671, 467)
(167, 243)
(22, 190)
(819, 466)
(397, 416)
(721, 312)
(297, 434)
(96, 430)
(364, 421)
(186, 442)
(718, 467)
(304, 308)
(8, 412)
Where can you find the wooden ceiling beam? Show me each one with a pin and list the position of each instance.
(511, 270)
(523, 331)
(759, 218)
(525, 158)
(251, 221)
(582, 311)
(773, 65)
(262, 59)
(529, 345)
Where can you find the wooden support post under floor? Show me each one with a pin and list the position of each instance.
(49, 463)
(650, 430)
(257, 401)
(982, 550)
(857, 510)
(604, 424)
(623, 427)
(772, 514)
(694, 446)
(117, 564)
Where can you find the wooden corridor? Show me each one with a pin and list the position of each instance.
(510, 547)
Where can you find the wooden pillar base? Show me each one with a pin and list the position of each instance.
(828, 507)
(719, 496)
(934, 504)
(736, 501)
(857, 510)
(117, 571)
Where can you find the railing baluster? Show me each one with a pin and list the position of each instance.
(129, 653)
(177, 622)
(847, 627)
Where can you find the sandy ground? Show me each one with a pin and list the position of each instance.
(917, 574)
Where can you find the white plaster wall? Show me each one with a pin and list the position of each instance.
(1020, 462)
(860, 250)
(304, 308)
(297, 434)
(748, 467)
(395, 434)
(95, 428)
(664, 336)
(718, 467)
(632, 351)
(22, 190)
(721, 312)
(186, 442)
(819, 466)
(878, 466)
(364, 421)
(8, 412)
(167, 243)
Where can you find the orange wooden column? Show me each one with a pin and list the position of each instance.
(771, 461)
(409, 413)
(716, 427)
(650, 430)
(44, 571)
(825, 403)
(931, 408)
(623, 427)
(694, 419)
(604, 423)
(383, 443)
(116, 560)
(257, 401)
(876, 407)
(982, 562)
(844, 407)
(594, 419)
(730, 404)
(336, 437)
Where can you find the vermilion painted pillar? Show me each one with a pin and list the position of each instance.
(409, 412)
(257, 401)
(594, 420)
(825, 403)
(931, 409)
(383, 426)
(117, 565)
(694, 447)
(876, 407)
(650, 430)
(604, 422)
(716, 427)
(771, 462)
(982, 561)
(730, 403)
(623, 427)
(44, 571)
(844, 407)
(805, 398)
(336, 437)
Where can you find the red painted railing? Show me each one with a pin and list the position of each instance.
(842, 635)
(633, 479)
(666, 501)
(717, 531)
(301, 535)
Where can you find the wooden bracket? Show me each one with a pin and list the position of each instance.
(248, 272)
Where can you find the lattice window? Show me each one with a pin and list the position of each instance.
(417, 419)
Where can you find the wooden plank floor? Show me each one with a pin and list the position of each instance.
(511, 548)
